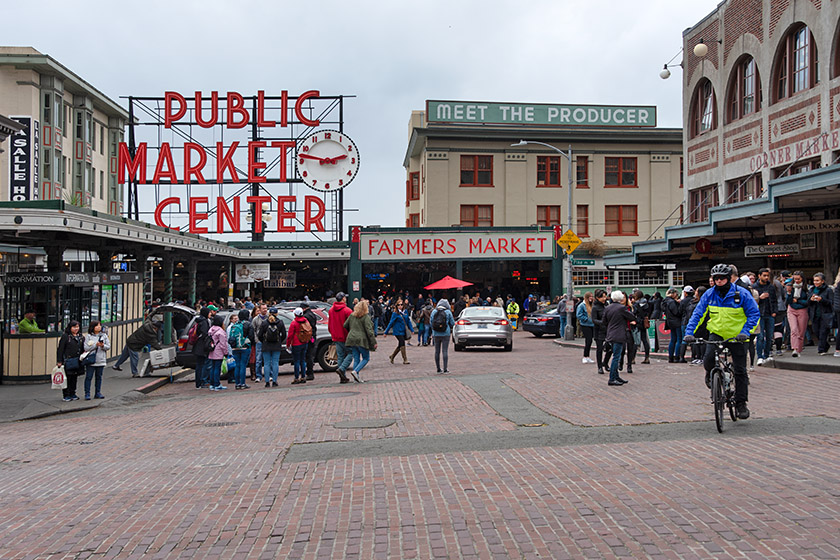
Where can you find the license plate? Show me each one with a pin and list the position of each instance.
(482, 326)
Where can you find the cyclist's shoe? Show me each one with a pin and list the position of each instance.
(708, 380)
(742, 410)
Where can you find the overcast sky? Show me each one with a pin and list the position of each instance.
(392, 55)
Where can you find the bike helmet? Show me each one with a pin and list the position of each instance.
(721, 270)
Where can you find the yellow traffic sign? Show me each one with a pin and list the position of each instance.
(569, 241)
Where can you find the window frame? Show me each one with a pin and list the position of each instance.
(413, 220)
(707, 101)
(475, 212)
(620, 222)
(414, 185)
(547, 162)
(700, 199)
(786, 74)
(621, 171)
(744, 87)
(548, 219)
(582, 172)
(475, 171)
(582, 231)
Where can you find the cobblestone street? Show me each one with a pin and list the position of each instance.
(526, 454)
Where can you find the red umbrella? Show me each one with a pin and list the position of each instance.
(447, 283)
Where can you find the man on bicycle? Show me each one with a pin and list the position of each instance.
(728, 311)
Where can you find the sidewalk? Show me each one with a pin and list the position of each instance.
(808, 361)
(27, 401)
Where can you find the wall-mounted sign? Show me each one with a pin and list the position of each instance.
(459, 245)
(583, 262)
(25, 162)
(477, 112)
(252, 272)
(811, 226)
(281, 279)
(778, 250)
(793, 152)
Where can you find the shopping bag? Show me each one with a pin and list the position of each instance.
(332, 354)
(231, 363)
(59, 380)
(224, 367)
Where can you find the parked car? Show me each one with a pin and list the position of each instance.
(185, 357)
(482, 326)
(544, 321)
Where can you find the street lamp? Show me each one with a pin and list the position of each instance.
(569, 333)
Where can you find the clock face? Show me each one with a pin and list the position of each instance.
(327, 160)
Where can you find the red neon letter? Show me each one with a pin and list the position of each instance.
(223, 213)
(284, 108)
(283, 145)
(317, 219)
(196, 216)
(169, 117)
(256, 210)
(236, 106)
(165, 157)
(282, 215)
(254, 165)
(190, 170)
(125, 162)
(225, 161)
(299, 107)
(159, 210)
(214, 110)
(261, 111)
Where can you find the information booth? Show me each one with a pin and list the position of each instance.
(56, 298)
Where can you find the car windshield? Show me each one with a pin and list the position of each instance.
(550, 310)
(482, 312)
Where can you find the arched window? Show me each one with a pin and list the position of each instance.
(744, 90)
(703, 117)
(797, 65)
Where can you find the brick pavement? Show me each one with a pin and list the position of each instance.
(190, 474)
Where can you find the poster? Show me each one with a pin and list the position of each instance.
(281, 279)
(250, 272)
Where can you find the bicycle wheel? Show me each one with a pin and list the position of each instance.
(718, 398)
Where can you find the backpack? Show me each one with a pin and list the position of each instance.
(439, 323)
(304, 333)
(236, 340)
(192, 337)
(272, 333)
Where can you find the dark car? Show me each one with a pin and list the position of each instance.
(544, 321)
(185, 357)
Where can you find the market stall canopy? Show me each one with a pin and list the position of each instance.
(447, 283)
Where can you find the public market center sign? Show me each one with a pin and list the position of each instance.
(540, 114)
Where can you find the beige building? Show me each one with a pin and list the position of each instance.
(465, 171)
(69, 148)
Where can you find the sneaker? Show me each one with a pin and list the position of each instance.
(795, 354)
(116, 368)
(646, 361)
(74, 398)
(445, 371)
(310, 377)
(837, 354)
(768, 359)
(822, 353)
(345, 380)
(98, 396)
(212, 388)
(355, 376)
(779, 352)
(220, 387)
(585, 361)
(615, 383)
(295, 382)
(759, 362)
(274, 384)
(267, 384)
(601, 372)
(67, 399)
(742, 410)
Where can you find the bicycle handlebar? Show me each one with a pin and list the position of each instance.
(728, 340)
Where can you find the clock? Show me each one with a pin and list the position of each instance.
(327, 160)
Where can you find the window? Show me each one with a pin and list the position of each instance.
(593, 277)
(92, 134)
(620, 172)
(744, 90)
(476, 171)
(46, 168)
(477, 215)
(102, 185)
(621, 220)
(699, 202)
(744, 188)
(582, 220)
(799, 167)
(102, 140)
(582, 175)
(413, 220)
(681, 172)
(797, 67)
(80, 131)
(414, 186)
(69, 123)
(549, 216)
(47, 109)
(703, 118)
(548, 171)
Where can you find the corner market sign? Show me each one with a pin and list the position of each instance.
(477, 112)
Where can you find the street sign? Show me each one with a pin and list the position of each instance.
(583, 262)
(569, 241)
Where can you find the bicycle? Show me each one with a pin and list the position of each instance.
(722, 380)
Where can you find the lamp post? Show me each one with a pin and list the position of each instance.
(569, 333)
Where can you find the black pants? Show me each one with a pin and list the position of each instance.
(72, 378)
(822, 326)
(645, 341)
(587, 334)
(600, 346)
(310, 359)
(739, 361)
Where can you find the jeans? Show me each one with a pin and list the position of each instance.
(361, 357)
(376, 326)
(215, 370)
(91, 372)
(674, 344)
(271, 362)
(241, 356)
(738, 352)
(563, 324)
(200, 371)
(123, 357)
(133, 359)
(764, 345)
(617, 351)
(345, 358)
(427, 336)
(442, 346)
(299, 360)
(258, 362)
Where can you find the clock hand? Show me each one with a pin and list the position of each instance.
(335, 159)
(316, 158)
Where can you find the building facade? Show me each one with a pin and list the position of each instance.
(68, 149)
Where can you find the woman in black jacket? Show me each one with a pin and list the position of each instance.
(600, 327)
(70, 345)
(673, 322)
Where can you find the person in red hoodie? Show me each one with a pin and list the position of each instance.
(338, 315)
(296, 343)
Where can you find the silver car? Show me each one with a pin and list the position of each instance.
(482, 326)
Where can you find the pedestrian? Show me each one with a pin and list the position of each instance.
(629, 340)
(257, 321)
(642, 311)
(146, 335)
(685, 303)
(400, 325)
(836, 308)
(767, 306)
(360, 338)
(337, 316)
(698, 349)
(377, 311)
(240, 339)
(656, 315)
(617, 318)
(584, 316)
(460, 305)
(797, 310)
(310, 348)
(300, 335)
(821, 302)
(201, 347)
(442, 323)
(600, 328)
(70, 348)
(673, 323)
(218, 351)
(272, 335)
(425, 319)
(96, 340)
(233, 320)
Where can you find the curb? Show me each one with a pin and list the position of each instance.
(796, 365)
(161, 381)
(580, 345)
